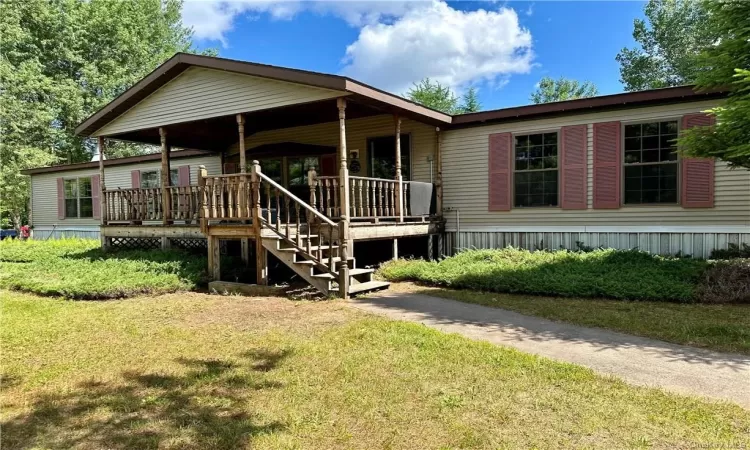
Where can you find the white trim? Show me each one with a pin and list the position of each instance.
(606, 229)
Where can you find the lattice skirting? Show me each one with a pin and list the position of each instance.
(191, 244)
(697, 245)
(130, 243)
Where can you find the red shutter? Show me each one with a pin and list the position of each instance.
(697, 173)
(328, 165)
(607, 165)
(573, 165)
(135, 179)
(96, 191)
(500, 150)
(60, 198)
(183, 178)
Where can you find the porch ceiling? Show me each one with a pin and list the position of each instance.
(218, 133)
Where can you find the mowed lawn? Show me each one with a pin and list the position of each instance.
(190, 370)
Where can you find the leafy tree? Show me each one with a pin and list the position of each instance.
(435, 95)
(550, 90)
(671, 38)
(61, 60)
(725, 65)
(471, 101)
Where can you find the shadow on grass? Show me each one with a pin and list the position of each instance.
(204, 408)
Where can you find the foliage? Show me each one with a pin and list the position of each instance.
(606, 273)
(732, 251)
(194, 371)
(725, 65)
(726, 282)
(670, 40)
(550, 90)
(435, 95)
(60, 60)
(79, 269)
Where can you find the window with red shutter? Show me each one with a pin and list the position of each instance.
(697, 173)
(607, 166)
(573, 167)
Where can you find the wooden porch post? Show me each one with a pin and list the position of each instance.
(344, 183)
(399, 184)
(166, 198)
(439, 179)
(102, 197)
(261, 258)
(202, 199)
(244, 242)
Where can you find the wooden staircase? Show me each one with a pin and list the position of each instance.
(316, 262)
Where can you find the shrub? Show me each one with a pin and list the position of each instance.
(609, 273)
(79, 269)
(732, 251)
(726, 282)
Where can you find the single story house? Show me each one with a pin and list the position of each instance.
(271, 147)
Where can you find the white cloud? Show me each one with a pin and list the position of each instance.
(454, 47)
(212, 19)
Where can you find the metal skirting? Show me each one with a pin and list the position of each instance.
(42, 234)
(695, 244)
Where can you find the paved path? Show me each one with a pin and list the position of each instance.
(637, 360)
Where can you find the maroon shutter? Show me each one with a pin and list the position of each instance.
(500, 150)
(328, 165)
(96, 191)
(573, 165)
(607, 165)
(60, 198)
(697, 173)
(135, 179)
(183, 178)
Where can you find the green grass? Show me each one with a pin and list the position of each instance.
(607, 273)
(724, 328)
(197, 371)
(78, 268)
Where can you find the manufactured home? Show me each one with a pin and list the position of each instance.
(309, 167)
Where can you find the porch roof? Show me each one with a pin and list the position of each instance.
(366, 99)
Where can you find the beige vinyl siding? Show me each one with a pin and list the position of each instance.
(44, 186)
(465, 181)
(357, 133)
(200, 93)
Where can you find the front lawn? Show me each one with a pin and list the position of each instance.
(724, 328)
(78, 268)
(196, 371)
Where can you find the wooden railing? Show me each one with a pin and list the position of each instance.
(227, 197)
(369, 197)
(185, 202)
(133, 205)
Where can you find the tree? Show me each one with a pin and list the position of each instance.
(671, 38)
(471, 101)
(550, 90)
(725, 65)
(61, 60)
(435, 95)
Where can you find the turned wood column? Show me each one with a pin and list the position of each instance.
(439, 179)
(261, 257)
(399, 185)
(344, 202)
(244, 242)
(102, 196)
(241, 130)
(166, 198)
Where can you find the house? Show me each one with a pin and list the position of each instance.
(280, 143)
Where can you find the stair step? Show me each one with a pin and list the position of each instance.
(312, 248)
(352, 273)
(312, 263)
(368, 286)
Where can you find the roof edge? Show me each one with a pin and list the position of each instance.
(179, 154)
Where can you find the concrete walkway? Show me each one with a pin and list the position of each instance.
(637, 360)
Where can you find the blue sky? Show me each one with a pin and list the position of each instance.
(503, 50)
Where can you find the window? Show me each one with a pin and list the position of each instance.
(650, 163)
(535, 172)
(78, 201)
(298, 168)
(383, 157)
(272, 168)
(152, 178)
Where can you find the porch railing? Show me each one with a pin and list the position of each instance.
(133, 205)
(227, 197)
(369, 198)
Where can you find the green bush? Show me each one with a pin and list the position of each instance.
(609, 273)
(79, 269)
(726, 282)
(732, 251)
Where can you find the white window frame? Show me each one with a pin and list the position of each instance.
(558, 131)
(78, 197)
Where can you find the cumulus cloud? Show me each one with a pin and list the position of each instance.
(454, 47)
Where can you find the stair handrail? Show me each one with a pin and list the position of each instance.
(296, 199)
